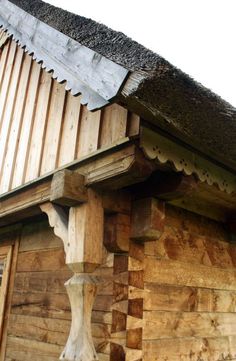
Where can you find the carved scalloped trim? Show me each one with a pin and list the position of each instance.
(85, 72)
(163, 150)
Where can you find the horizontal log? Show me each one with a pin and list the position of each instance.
(158, 325)
(51, 331)
(42, 282)
(188, 299)
(184, 246)
(185, 274)
(38, 235)
(27, 350)
(48, 260)
(44, 305)
(207, 349)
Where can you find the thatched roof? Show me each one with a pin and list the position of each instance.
(163, 94)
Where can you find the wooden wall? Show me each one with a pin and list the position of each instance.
(43, 127)
(40, 316)
(190, 292)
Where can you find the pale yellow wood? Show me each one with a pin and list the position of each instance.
(158, 325)
(207, 349)
(27, 350)
(8, 163)
(3, 61)
(89, 132)
(184, 274)
(70, 130)
(53, 132)
(113, 124)
(41, 329)
(37, 138)
(6, 80)
(9, 105)
(86, 234)
(81, 290)
(26, 127)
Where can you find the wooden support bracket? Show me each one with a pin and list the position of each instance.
(82, 234)
(147, 219)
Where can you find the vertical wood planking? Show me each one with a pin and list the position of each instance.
(42, 126)
(10, 102)
(3, 61)
(8, 163)
(52, 138)
(26, 127)
(6, 80)
(70, 130)
(89, 132)
(113, 125)
(38, 132)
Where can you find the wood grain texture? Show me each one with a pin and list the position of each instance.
(44, 125)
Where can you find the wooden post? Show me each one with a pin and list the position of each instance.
(82, 235)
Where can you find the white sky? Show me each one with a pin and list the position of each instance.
(198, 36)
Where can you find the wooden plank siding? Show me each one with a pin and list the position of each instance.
(40, 301)
(189, 294)
(42, 126)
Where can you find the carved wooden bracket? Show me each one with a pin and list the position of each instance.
(82, 234)
(147, 219)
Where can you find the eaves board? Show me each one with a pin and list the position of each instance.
(163, 150)
(86, 72)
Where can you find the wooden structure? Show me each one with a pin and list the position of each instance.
(125, 193)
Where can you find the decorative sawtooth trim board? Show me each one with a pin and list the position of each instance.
(163, 150)
(85, 71)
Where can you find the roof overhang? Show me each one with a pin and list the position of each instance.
(85, 72)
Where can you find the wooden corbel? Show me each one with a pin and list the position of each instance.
(147, 219)
(82, 234)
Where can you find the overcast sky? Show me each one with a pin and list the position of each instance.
(198, 36)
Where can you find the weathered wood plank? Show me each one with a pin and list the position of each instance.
(25, 350)
(194, 349)
(188, 299)
(8, 68)
(9, 104)
(37, 138)
(70, 129)
(9, 161)
(159, 325)
(36, 236)
(47, 260)
(113, 124)
(89, 132)
(180, 273)
(26, 127)
(53, 132)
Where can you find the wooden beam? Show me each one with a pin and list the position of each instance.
(115, 169)
(166, 186)
(117, 232)
(68, 188)
(82, 235)
(147, 219)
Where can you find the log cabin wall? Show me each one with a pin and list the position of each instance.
(189, 296)
(42, 126)
(40, 314)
